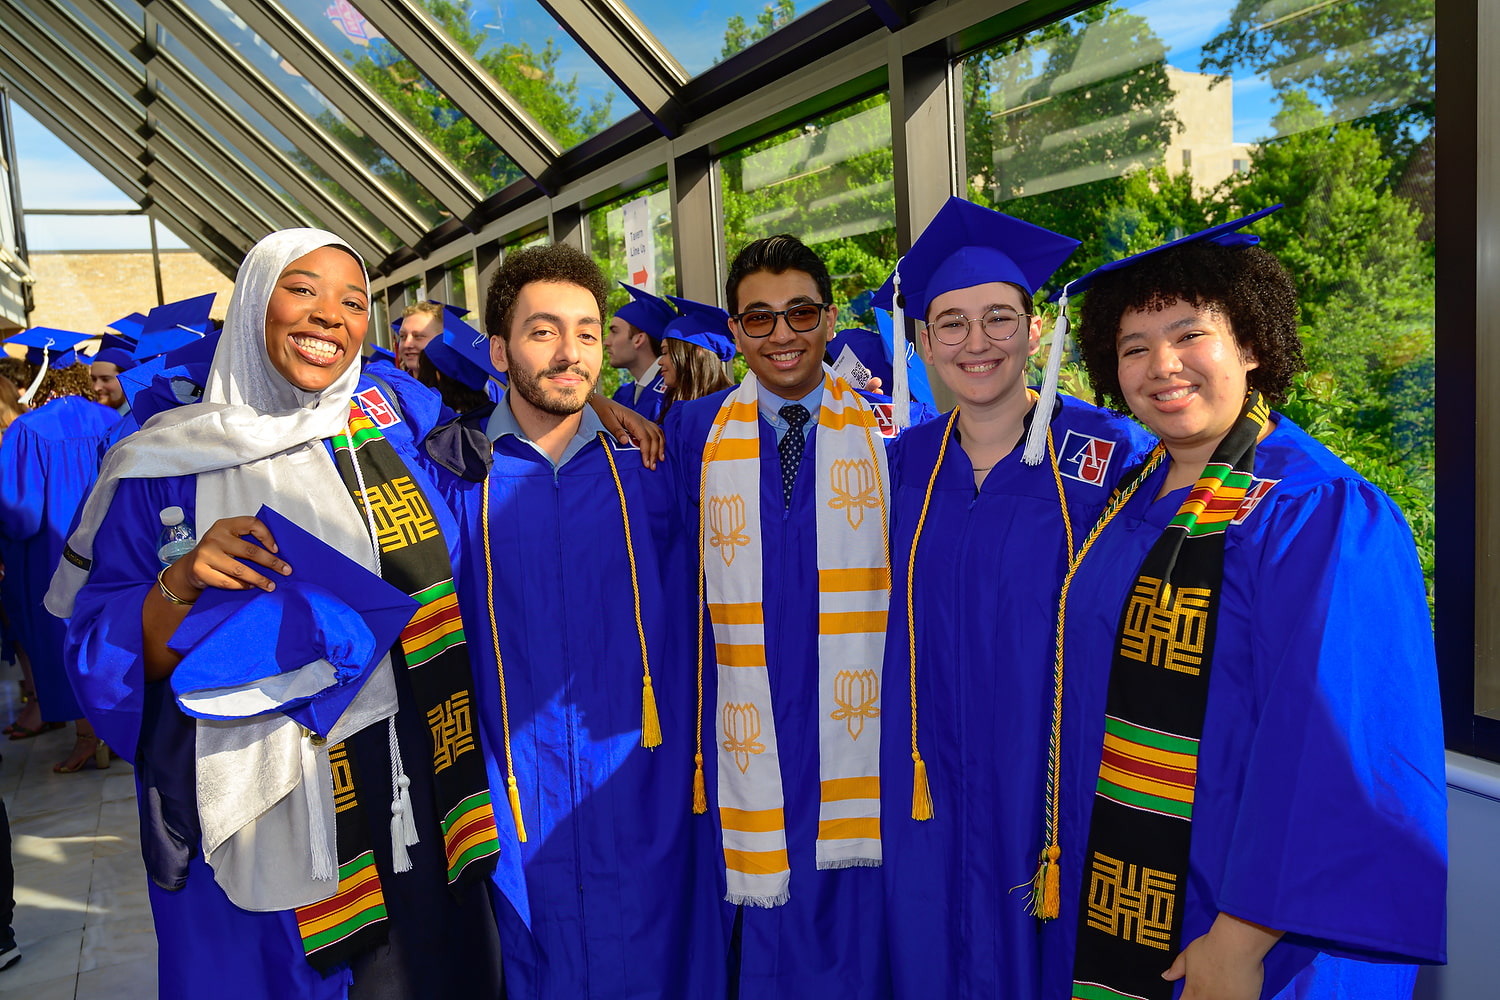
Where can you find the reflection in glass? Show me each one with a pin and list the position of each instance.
(829, 183)
(607, 243)
(705, 33)
(1131, 123)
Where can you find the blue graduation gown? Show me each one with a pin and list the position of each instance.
(604, 898)
(207, 945)
(49, 460)
(989, 567)
(648, 404)
(829, 938)
(1319, 807)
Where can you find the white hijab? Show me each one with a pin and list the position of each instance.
(264, 791)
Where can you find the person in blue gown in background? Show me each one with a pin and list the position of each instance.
(1295, 844)
(573, 581)
(49, 460)
(284, 386)
(981, 582)
(633, 341)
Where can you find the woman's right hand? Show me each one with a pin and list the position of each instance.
(216, 560)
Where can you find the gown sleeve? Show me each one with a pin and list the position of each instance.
(104, 641)
(1340, 835)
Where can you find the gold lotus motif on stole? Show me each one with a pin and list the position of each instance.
(726, 525)
(854, 488)
(855, 693)
(742, 733)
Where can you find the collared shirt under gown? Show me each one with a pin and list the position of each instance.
(208, 947)
(989, 568)
(1320, 800)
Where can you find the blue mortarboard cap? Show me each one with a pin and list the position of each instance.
(54, 346)
(458, 311)
(174, 324)
(966, 245)
(117, 356)
(702, 325)
(249, 652)
(647, 312)
(129, 327)
(1225, 235)
(108, 340)
(190, 362)
(378, 353)
(462, 353)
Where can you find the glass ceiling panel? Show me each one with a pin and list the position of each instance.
(264, 129)
(703, 33)
(285, 78)
(340, 26)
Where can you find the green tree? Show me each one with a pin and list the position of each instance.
(739, 36)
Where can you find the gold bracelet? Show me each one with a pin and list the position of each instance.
(161, 585)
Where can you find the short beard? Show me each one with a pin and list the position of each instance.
(529, 385)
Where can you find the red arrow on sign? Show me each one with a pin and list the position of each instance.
(638, 278)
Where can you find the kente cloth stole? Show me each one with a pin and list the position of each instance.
(852, 486)
(1136, 867)
(414, 558)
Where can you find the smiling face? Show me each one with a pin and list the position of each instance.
(416, 331)
(316, 318)
(106, 377)
(555, 348)
(982, 372)
(668, 370)
(1183, 374)
(788, 363)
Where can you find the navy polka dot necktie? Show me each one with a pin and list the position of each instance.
(791, 446)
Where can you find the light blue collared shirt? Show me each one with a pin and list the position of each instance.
(771, 404)
(503, 421)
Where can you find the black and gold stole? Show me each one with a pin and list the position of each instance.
(414, 558)
(1136, 868)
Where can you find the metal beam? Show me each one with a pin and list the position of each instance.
(697, 225)
(359, 102)
(84, 41)
(312, 139)
(265, 154)
(215, 200)
(624, 48)
(469, 86)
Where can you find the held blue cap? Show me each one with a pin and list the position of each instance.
(462, 353)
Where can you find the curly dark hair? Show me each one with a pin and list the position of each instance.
(1246, 285)
(776, 254)
(74, 380)
(558, 262)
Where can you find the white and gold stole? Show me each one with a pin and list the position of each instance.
(854, 581)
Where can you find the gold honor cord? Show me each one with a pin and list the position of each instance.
(511, 791)
(650, 721)
(1046, 884)
(921, 793)
(700, 791)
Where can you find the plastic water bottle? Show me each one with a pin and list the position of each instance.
(177, 538)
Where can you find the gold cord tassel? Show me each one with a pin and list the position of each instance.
(700, 794)
(1046, 885)
(921, 795)
(650, 721)
(514, 794)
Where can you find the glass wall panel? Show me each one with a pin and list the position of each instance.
(284, 77)
(704, 34)
(607, 241)
(828, 182)
(1131, 123)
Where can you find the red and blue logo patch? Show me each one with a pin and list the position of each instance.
(1253, 496)
(381, 413)
(1085, 458)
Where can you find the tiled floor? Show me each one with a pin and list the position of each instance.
(83, 920)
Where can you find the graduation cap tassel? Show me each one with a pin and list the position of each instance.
(36, 383)
(901, 388)
(1036, 438)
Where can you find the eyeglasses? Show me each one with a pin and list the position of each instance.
(998, 324)
(801, 318)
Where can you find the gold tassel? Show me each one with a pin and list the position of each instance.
(514, 794)
(650, 721)
(921, 795)
(700, 794)
(1046, 885)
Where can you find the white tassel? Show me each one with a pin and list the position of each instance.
(1041, 417)
(313, 767)
(36, 383)
(403, 824)
(901, 388)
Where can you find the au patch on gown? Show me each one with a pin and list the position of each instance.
(1086, 458)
